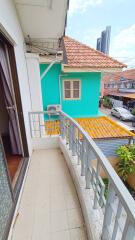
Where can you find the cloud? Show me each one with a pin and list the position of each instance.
(77, 5)
(123, 46)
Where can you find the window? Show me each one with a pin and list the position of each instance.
(71, 89)
(106, 86)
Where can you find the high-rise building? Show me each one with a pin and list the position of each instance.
(99, 44)
(103, 43)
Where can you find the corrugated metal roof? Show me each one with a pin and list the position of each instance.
(126, 95)
(103, 127)
(97, 127)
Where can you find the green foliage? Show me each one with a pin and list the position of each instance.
(106, 182)
(107, 102)
(133, 111)
(126, 164)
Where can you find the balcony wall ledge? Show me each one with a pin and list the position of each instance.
(93, 217)
(46, 142)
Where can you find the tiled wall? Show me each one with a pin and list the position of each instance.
(6, 202)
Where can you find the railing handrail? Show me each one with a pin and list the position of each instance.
(125, 197)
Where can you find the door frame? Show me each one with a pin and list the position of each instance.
(16, 88)
(17, 95)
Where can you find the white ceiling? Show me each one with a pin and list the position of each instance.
(42, 19)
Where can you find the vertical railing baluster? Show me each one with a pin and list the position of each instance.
(116, 225)
(62, 126)
(67, 125)
(39, 125)
(88, 163)
(30, 123)
(70, 139)
(129, 231)
(83, 157)
(108, 212)
(73, 136)
(96, 187)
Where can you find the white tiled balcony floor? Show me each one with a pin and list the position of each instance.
(49, 208)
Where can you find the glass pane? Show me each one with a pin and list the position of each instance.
(75, 84)
(6, 202)
(67, 84)
(67, 94)
(76, 94)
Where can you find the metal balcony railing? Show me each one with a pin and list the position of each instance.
(118, 206)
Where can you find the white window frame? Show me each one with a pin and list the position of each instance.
(71, 90)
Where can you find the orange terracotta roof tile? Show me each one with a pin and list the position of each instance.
(81, 55)
(127, 75)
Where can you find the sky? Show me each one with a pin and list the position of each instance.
(87, 18)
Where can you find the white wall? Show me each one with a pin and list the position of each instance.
(9, 24)
(34, 81)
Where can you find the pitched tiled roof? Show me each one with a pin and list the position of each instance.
(81, 55)
(97, 128)
(127, 75)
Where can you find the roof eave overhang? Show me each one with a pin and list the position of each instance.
(66, 68)
(113, 138)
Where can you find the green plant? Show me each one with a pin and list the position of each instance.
(126, 164)
(133, 111)
(107, 102)
(106, 182)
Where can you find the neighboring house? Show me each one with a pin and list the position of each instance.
(75, 82)
(120, 86)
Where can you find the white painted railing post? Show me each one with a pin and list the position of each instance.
(88, 167)
(78, 147)
(62, 127)
(73, 133)
(116, 225)
(108, 213)
(70, 138)
(129, 231)
(83, 157)
(96, 186)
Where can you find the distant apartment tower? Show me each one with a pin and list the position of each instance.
(103, 43)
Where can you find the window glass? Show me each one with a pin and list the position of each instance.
(76, 84)
(76, 93)
(67, 93)
(71, 89)
(67, 85)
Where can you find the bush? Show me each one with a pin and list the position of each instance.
(107, 103)
(133, 111)
(106, 182)
(126, 165)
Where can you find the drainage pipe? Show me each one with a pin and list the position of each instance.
(48, 68)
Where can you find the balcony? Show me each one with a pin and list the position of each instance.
(64, 194)
(49, 207)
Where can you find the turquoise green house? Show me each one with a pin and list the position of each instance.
(74, 83)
